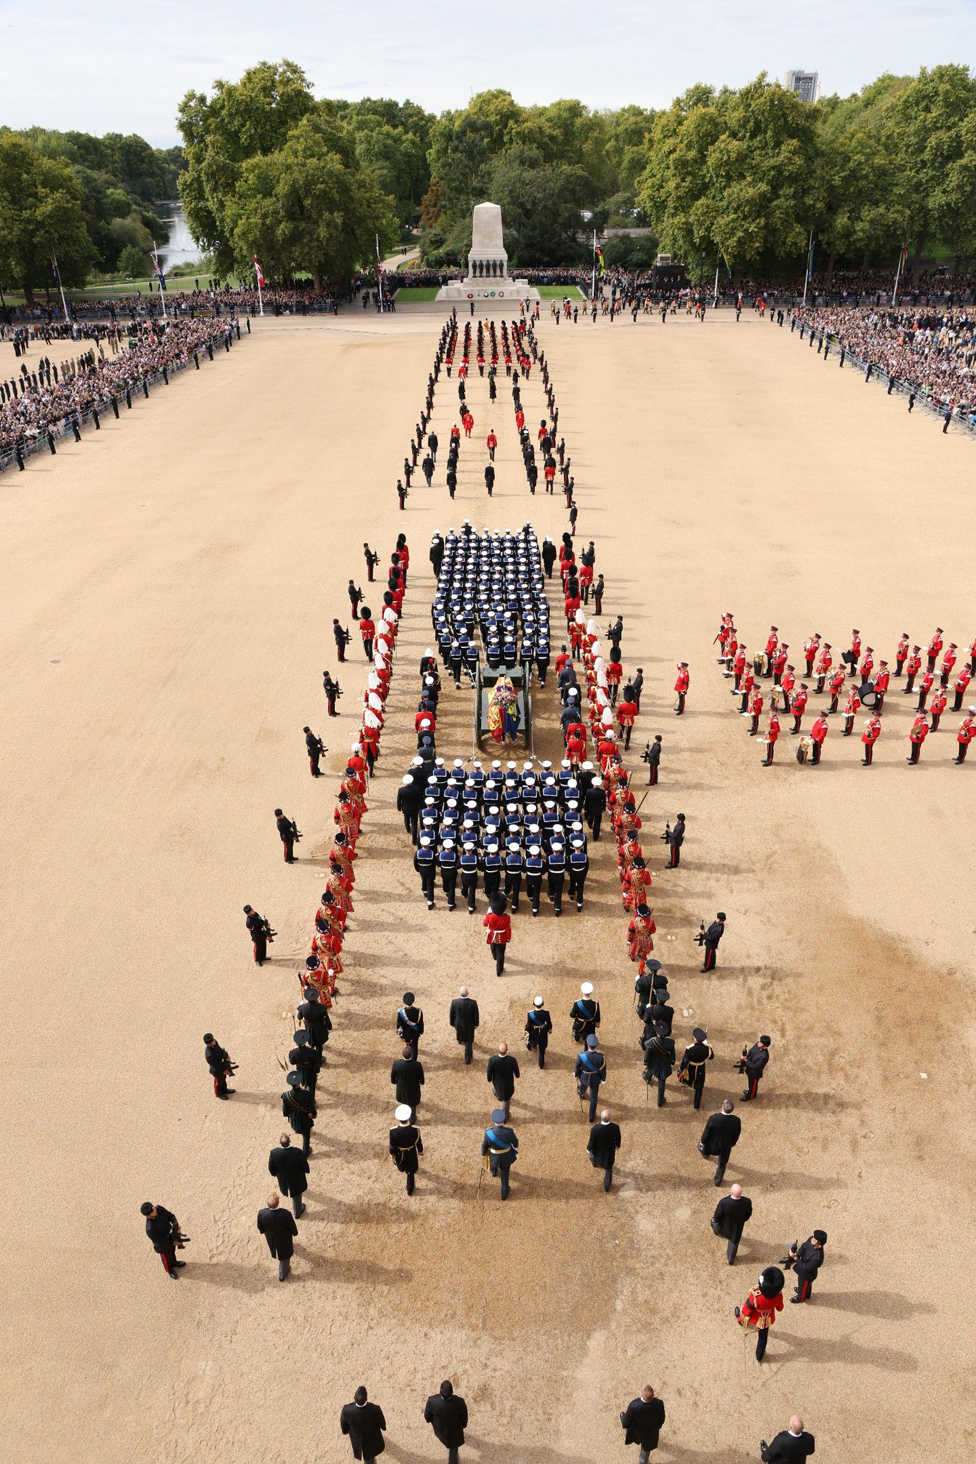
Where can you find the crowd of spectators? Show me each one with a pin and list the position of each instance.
(46, 400)
(931, 352)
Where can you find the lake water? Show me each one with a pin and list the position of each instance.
(180, 247)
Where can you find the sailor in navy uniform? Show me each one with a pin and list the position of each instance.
(469, 873)
(447, 859)
(585, 1014)
(500, 1148)
(579, 864)
(425, 863)
(538, 1025)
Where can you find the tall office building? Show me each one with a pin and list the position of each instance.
(806, 84)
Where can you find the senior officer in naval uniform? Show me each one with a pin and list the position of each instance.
(499, 1147)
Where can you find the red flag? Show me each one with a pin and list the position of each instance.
(257, 271)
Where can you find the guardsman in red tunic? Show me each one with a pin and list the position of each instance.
(627, 715)
(681, 686)
(739, 666)
(918, 734)
(872, 731)
(912, 667)
(948, 661)
(772, 641)
(965, 735)
(491, 442)
(962, 681)
(755, 707)
(798, 706)
(851, 709)
(811, 649)
(924, 687)
(787, 683)
(835, 687)
(367, 629)
(779, 662)
(936, 707)
(772, 733)
(901, 655)
(881, 683)
(972, 657)
(823, 667)
(853, 655)
(934, 647)
(746, 684)
(867, 665)
(818, 732)
(498, 924)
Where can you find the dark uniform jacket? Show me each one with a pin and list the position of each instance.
(730, 1216)
(604, 1143)
(408, 1075)
(787, 1448)
(721, 1133)
(643, 1422)
(809, 1259)
(300, 1110)
(290, 1168)
(405, 1145)
(500, 1144)
(756, 1060)
(278, 1228)
(161, 1229)
(448, 1417)
(659, 1056)
(714, 934)
(364, 1425)
(501, 1074)
(538, 1024)
(464, 1017)
(217, 1059)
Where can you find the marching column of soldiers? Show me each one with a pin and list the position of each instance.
(467, 811)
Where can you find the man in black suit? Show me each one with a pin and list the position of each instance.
(501, 1072)
(464, 1018)
(279, 1230)
(642, 1422)
(790, 1446)
(720, 1136)
(363, 1423)
(447, 1415)
(290, 1168)
(407, 1075)
(603, 1145)
(730, 1216)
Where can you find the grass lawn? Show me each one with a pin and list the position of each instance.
(557, 292)
(416, 292)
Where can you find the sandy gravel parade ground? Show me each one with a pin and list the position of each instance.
(168, 591)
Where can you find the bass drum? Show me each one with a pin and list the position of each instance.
(868, 695)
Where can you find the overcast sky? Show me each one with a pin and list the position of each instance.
(123, 68)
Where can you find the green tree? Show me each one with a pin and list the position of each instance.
(41, 215)
(242, 120)
(310, 205)
(932, 135)
(133, 262)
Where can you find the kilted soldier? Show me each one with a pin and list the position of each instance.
(406, 1145)
(691, 1071)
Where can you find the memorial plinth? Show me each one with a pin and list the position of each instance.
(488, 277)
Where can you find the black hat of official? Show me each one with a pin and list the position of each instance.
(294, 1079)
(146, 1208)
(771, 1282)
(208, 1036)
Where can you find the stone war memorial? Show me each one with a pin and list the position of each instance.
(488, 277)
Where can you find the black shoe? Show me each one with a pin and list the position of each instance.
(221, 1095)
(230, 1090)
(173, 1276)
(179, 1263)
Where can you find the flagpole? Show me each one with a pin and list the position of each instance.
(379, 273)
(593, 286)
(257, 273)
(806, 278)
(715, 292)
(159, 281)
(64, 306)
(894, 293)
